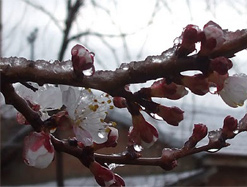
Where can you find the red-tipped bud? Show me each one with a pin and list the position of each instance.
(82, 59)
(171, 91)
(189, 38)
(211, 38)
(221, 65)
(142, 132)
(230, 125)
(119, 102)
(199, 132)
(172, 115)
(104, 176)
(198, 84)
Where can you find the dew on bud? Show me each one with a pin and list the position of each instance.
(213, 89)
(156, 116)
(213, 150)
(88, 72)
(236, 131)
(138, 148)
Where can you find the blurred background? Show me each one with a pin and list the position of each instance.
(120, 32)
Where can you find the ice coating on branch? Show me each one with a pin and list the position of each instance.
(234, 92)
(88, 113)
(38, 150)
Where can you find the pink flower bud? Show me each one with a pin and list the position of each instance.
(198, 84)
(82, 59)
(142, 133)
(199, 132)
(221, 65)
(211, 38)
(189, 38)
(171, 91)
(38, 150)
(172, 115)
(230, 124)
(119, 102)
(104, 176)
(213, 30)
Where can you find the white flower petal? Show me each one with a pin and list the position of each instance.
(234, 92)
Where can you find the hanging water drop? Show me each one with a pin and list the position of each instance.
(236, 131)
(88, 72)
(213, 89)
(214, 150)
(138, 148)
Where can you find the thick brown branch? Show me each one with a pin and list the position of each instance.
(19, 69)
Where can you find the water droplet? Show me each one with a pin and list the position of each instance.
(213, 150)
(214, 135)
(213, 89)
(124, 66)
(138, 148)
(236, 131)
(88, 72)
(156, 116)
(113, 166)
(101, 135)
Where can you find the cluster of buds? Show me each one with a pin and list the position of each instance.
(211, 37)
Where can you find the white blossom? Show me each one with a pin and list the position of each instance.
(88, 112)
(234, 92)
